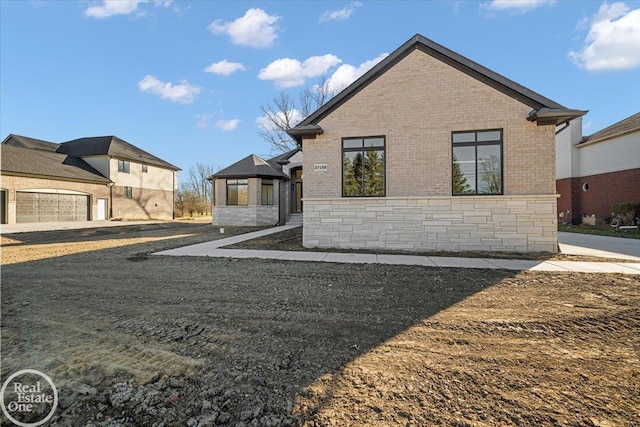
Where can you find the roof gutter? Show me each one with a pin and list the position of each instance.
(307, 130)
(554, 116)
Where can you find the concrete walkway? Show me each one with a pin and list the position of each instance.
(213, 249)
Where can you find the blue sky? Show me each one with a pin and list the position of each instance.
(185, 80)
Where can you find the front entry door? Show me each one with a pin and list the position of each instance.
(102, 210)
(296, 199)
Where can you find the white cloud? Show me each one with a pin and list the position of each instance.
(347, 74)
(287, 72)
(269, 123)
(340, 14)
(613, 41)
(113, 7)
(224, 68)
(255, 29)
(227, 124)
(516, 6)
(203, 120)
(183, 93)
(120, 7)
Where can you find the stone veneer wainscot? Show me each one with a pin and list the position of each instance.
(470, 223)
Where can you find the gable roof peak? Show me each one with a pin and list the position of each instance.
(309, 126)
(257, 160)
(32, 143)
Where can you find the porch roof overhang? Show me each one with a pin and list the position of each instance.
(307, 130)
(554, 116)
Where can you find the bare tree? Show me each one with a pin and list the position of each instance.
(279, 116)
(312, 98)
(198, 183)
(187, 202)
(284, 112)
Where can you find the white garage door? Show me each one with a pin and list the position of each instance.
(51, 207)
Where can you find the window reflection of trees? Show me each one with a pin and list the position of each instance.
(364, 174)
(477, 162)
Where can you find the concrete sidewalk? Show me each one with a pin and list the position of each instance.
(214, 249)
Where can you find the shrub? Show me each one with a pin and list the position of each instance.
(626, 213)
(625, 208)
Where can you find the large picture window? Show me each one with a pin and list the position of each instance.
(267, 191)
(237, 192)
(363, 166)
(477, 162)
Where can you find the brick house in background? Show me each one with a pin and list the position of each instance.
(431, 151)
(597, 171)
(85, 179)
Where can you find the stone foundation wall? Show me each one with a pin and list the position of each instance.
(486, 223)
(245, 215)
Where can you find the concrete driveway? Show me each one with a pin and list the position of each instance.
(54, 226)
(601, 246)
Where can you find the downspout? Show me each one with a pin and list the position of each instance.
(173, 196)
(281, 219)
(212, 181)
(110, 185)
(566, 125)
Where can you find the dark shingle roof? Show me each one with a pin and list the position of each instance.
(282, 159)
(112, 146)
(630, 124)
(250, 167)
(26, 142)
(27, 161)
(418, 42)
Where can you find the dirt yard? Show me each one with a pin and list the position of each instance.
(136, 339)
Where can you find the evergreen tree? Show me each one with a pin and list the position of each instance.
(352, 175)
(460, 184)
(374, 173)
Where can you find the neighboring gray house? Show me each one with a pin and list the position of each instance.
(254, 191)
(82, 180)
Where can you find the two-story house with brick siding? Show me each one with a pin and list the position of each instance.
(597, 171)
(85, 179)
(431, 151)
